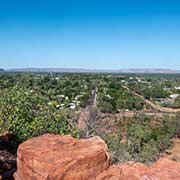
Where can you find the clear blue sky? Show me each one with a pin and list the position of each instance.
(101, 34)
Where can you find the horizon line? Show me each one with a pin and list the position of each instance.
(86, 70)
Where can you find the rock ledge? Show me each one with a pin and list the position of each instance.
(54, 157)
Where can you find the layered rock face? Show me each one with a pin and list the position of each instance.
(54, 157)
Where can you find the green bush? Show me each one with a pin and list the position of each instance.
(144, 142)
(27, 114)
(106, 107)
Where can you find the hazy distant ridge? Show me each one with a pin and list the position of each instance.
(1, 70)
(79, 70)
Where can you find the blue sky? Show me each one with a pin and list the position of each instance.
(95, 34)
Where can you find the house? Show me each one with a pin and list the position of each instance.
(61, 96)
(31, 91)
(177, 87)
(58, 106)
(72, 105)
(174, 96)
(78, 103)
(108, 96)
(165, 101)
(78, 96)
(49, 103)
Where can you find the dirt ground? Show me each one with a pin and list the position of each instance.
(174, 152)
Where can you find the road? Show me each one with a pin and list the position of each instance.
(154, 106)
(93, 99)
(146, 113)
(155, 109)
(84, 116)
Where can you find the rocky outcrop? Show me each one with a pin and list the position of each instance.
(7, 164)
(5, 140)
(54, 157)
(164, 169)
(7, 159)
(174, 152)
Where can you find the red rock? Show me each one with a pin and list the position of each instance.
(164, 169)
(129, 170)
(54, 157)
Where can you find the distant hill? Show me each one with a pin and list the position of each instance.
(74, 70)
(163, 71)
(1, 70)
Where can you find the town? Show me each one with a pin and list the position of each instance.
(116, 107)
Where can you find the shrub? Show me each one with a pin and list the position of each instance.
(27, 115)
(144, 141)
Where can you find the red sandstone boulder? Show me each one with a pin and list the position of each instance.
(164, 169)
(126, 171)
(54, 157)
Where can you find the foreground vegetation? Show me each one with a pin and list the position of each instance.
(145, 139)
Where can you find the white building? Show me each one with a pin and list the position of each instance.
(72, 105)
(178, 88)
(174, 96)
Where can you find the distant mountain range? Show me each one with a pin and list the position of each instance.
(78, 70)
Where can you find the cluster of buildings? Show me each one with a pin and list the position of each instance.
(66, 102)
